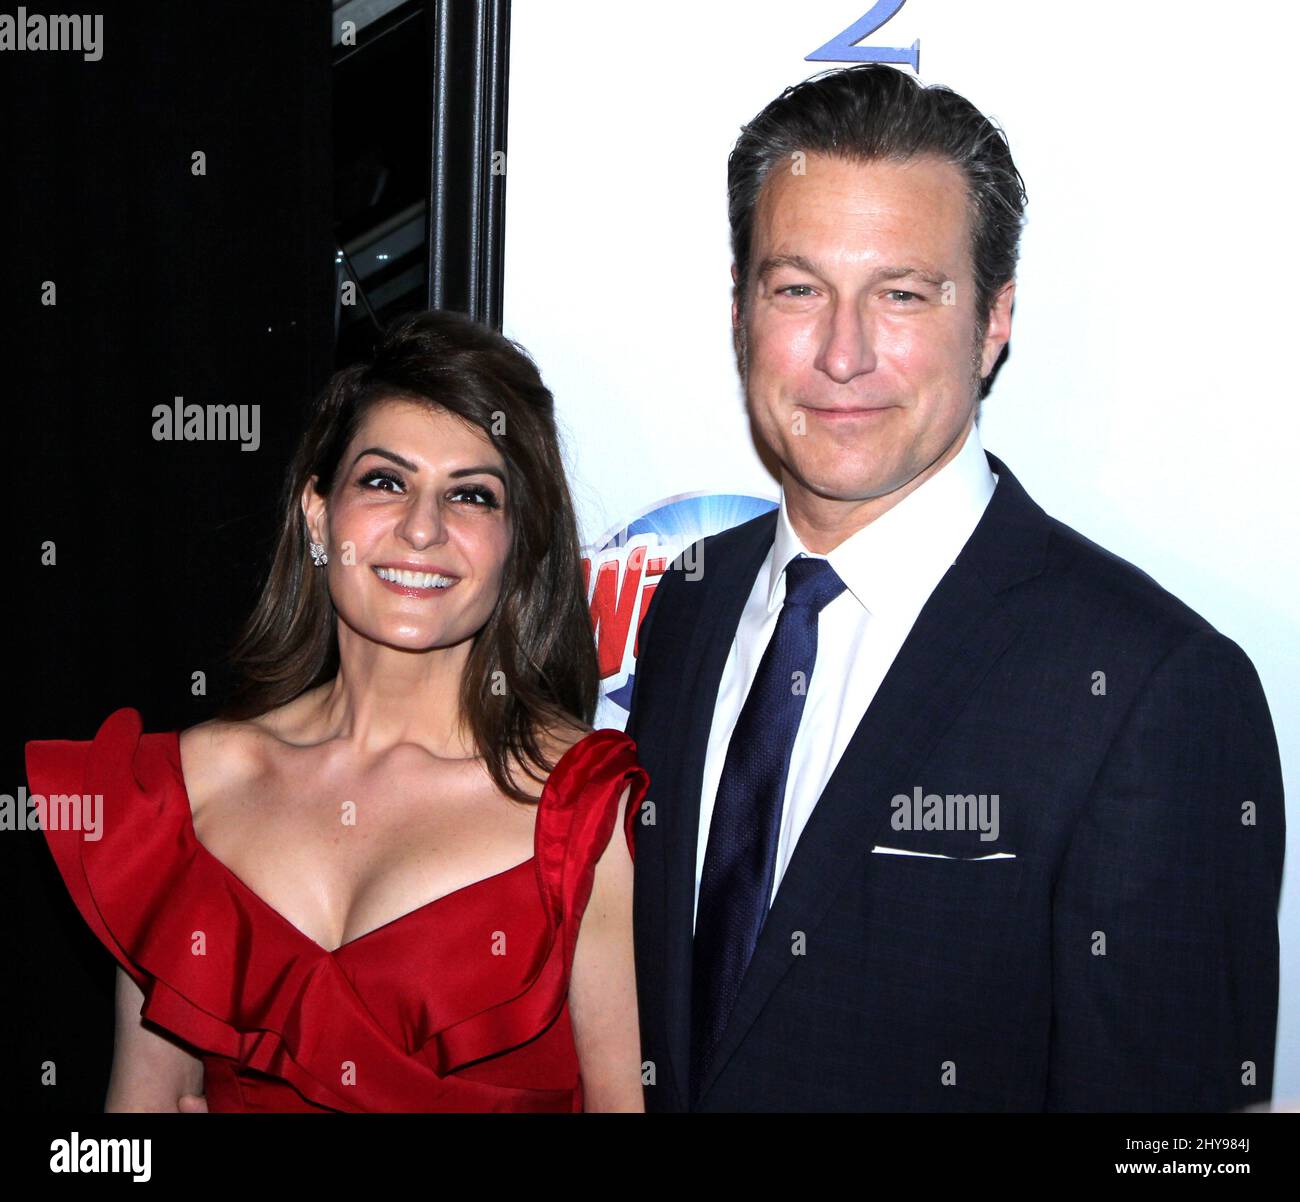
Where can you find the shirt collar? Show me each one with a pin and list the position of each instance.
(898, 559)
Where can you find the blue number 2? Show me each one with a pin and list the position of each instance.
(843, 48)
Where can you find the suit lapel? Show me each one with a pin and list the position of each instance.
(958, 636)
(720, 593)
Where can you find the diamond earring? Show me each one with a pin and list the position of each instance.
(318, 556)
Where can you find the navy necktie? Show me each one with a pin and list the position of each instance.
(740, 859)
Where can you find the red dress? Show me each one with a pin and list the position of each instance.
(458, 1005)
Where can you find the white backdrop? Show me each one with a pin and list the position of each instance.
(1149, 399)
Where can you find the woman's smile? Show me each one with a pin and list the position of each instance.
(410, 583)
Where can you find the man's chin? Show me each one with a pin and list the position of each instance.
(839, 486)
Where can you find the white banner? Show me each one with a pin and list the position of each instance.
(1150, 397)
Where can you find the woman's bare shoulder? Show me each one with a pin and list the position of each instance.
(553, 741)
(238, 747)
(224, 755)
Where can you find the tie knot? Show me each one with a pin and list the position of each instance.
(811, 582)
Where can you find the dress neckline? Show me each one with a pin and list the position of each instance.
(298, 932)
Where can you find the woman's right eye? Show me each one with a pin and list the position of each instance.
(376, 480)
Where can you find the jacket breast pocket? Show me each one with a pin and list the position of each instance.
(950, 927)
(939, 884)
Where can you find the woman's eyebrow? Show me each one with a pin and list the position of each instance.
(485, 468)
(386, 454)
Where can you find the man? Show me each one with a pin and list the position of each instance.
(1016, 842)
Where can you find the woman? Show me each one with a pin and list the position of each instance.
(391, 875)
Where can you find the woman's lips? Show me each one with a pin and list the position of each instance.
(406, 583)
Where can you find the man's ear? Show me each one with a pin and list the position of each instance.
(737, 323)
(998, 332)
(314, 511)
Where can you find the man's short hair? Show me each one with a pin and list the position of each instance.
(869, 112)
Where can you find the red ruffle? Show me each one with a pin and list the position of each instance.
(268, 998)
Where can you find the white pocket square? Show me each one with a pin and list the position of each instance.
(934, 855)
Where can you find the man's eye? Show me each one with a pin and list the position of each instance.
(901, 293)
(790, 289)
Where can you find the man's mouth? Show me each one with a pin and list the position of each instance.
(864, 413)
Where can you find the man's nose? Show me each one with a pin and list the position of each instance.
(848, 347)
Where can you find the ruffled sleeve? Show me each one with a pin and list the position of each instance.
(577, 821)
(73, 816)
(210, 973)
(577, 813)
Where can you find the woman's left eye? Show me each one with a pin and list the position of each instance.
(482, 496)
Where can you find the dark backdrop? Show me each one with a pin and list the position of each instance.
(218, 288)
(327, 159)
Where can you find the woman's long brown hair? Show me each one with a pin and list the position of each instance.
(533, 664)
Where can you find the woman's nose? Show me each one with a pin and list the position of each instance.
(423, 524)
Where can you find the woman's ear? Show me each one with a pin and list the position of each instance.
(315, 511)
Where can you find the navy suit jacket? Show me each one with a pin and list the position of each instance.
(1122, 954)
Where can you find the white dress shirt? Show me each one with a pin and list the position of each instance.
(889, 567)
